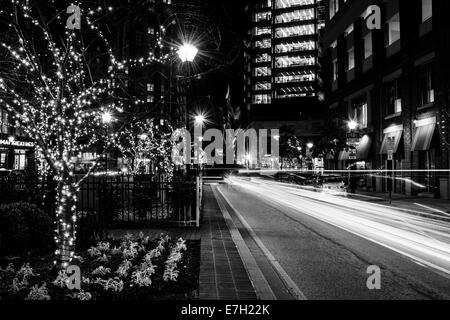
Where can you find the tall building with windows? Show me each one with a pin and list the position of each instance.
(282, 65)
(395, 83)
(282, 58)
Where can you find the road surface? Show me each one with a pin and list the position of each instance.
(325, 243)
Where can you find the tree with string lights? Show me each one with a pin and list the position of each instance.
(147, 146)
(48, 84)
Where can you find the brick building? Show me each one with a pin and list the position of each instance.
(394, 83)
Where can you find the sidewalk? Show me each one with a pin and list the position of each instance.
(433, 206)
(222, 272)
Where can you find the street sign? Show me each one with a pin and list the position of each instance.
(352, 154)
(390, 155)
(353, 135)
(353, 138)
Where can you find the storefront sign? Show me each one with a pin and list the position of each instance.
(352, 154)
(24, 144)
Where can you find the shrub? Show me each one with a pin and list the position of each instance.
(24, 227)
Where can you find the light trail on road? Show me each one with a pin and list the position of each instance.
(424, 240)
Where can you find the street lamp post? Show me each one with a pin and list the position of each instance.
(352, 126)
(187, 52)
(310, 146)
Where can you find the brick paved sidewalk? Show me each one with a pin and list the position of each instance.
(222, 272)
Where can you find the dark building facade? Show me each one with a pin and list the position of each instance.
(394, 83)
(17, 152)
(282, 66)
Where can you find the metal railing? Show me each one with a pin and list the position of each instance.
(118, 201)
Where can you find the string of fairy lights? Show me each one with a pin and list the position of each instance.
(57, 104)
(150, 141)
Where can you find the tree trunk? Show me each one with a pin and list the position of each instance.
(65, 221)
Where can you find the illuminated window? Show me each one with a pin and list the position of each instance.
(262, 72)
(263, 85)
(393, 97)
(263, 44)
(4, 121)
(295, 46)
(427, 10)
(262, 99)
(426, 90)
(295, 31)
(264, 57)
(262, 16)
(261, 31)
(295, 76)
(393, 34)
(20, 160)
(335, 67)
(368, 46)
(297, 15)
(292, 3)
(350, 59)
(294, 61)
(360, 112)
(334, 8)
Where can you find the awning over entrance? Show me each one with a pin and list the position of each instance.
(391, 140)
(362, 150)
(424, 134)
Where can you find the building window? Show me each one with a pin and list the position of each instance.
(3, 158)
(295, 46)
(350, 59)
(20, 160)
(295, 16)
(264, 57)
(263, 44)
(262, 72)
(334, 8)
(294, 61)
(261, 86)
(281, 4)
(295, 76)
(295, 31)
(427, 10)
(393, 97)
(368, 46)
(393, 31)
(262, 31)
(426, 90)
(4, 121)
(335, 67)
(360, 112)
(262, 16)
(262, 99)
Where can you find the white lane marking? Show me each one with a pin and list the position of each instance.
(292, 287)
(432, 209)
(262, 287)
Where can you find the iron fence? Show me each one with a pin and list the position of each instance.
(117, 201)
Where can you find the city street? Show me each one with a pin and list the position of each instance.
(325, 243)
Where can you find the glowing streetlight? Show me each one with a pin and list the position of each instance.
(199, 119)
(352, 125)
(310, 145)
(187, 52)
(107, 117)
